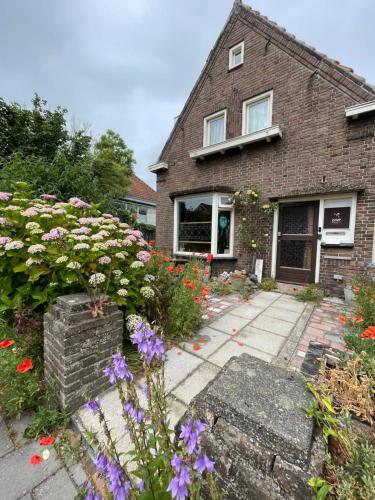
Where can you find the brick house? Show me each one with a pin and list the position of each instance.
(140, 199)
(270, 113)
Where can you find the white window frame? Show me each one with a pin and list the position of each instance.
(214, 224)
(253, 100)
(344, 236)
(206, 124)
(233, 50)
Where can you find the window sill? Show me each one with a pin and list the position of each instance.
(237, 142)
(235, 67)
(339, 245)
(192, 254)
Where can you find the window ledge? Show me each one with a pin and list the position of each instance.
(157, 167)
(359, 109)
(237, 142)
(341, 245)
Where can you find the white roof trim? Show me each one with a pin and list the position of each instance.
(162, 165)
(237, 142)
(359, 109)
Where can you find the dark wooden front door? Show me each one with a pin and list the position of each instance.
(296, 242)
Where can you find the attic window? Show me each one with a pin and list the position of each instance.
(236, 55)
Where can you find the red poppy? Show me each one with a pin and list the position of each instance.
(205, 271)
(341, 319)
(167, 259)
(356, 289)
(194, 268)
(46, 440)
(178, 345)
(365, 334)
(171, 269)
(25, 366)
(241, 344)
(191, 286)
(197, 299)
(205, 298)
(35, 459)
(186, 282)
(357, 320)
(210, 258)
(152, 252)
(196, 347)
(6, 343)
(234, 330)
(205, 291)
(202, 339)
(151, 242)
(369, 333)
(179, 353)
(373, 295)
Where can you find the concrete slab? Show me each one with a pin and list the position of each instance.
(279, 312)
(6, 444)
(261, 340)
(178, 367)
(77, 474)
(196, 382)
(177, 409)
(28, 476)
(231, 349)
(228, 323)
(290, 304)
(19, 426)
(213, 340)
(273, 325)
(57, 487)
(249, 311)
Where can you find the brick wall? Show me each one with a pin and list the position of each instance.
(320, 151)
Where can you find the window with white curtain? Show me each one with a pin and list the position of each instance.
(236, 55)
(214, 128)
(257, 113)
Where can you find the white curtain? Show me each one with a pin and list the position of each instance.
(257, 116)
(216, 130)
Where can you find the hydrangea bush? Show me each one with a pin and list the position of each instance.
(48, 248)
(158, 466)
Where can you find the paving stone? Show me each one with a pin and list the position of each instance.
(231, 349)
(262, 300)
(177, 409)
(259, 339)
(228, 322)
(6, 444)
(78, 474)
(19, 426)
(273, 325)
(213, 340)
(290, 304)
(278, 312)
(248, 311)
(196, 382)
(177, 368)
(26, 497)
(28, 476)
(57, 487)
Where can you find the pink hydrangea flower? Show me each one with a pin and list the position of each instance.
(36, 249)
(4, 240)
(143, 256)
(30, 212)
(47, 196)
(127, 242)
(3, 220)
(78, 203)
(54, 234)
(104, 260)
(5, 196)
(111, 243)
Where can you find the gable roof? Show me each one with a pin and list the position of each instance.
(139, 190)
(337, 74)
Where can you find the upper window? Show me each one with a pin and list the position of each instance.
(215, 128)
(257, 113)
(204, 224)
(236, 55)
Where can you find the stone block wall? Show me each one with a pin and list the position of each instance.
(77, 347)
(258, 434)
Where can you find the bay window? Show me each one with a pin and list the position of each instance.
(204, 223)
(257, 113)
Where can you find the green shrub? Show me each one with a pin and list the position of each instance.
(267, 284)
(46, 420)
(310, 293)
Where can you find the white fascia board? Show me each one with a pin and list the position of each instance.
(237, 142)
(162, 165)
(359, 109)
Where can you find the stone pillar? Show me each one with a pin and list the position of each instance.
(263, 444)
(77, 347)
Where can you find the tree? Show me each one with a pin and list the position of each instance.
(36, 147)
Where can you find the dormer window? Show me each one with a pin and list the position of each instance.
(236, 55)
(215, 128)
(257, 113)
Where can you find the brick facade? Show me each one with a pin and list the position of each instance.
(320, 150)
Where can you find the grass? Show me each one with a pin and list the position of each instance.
(310, 293)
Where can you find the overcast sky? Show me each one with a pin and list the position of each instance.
(129, 65)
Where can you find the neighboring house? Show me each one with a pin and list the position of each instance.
(141, 199)
(271, 113)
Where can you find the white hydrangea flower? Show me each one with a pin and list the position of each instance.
(124, 281)
(121, 255)
(73, 264)
(36, 249)
(62, 259)
(149, 277)
(136, 264)
(30, 226)
(71, 217)
(36, 231)
(81, 246)
(132, 321)
(147, 292)
(96, 279)
(46, 216)
(14, 245)
(117, 273)
(122, 292)
(32, 261)
(99, 246)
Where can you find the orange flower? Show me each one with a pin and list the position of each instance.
(197, 299)
(171, 269)
(356, 289)
(357, 320)
(365, 334)
(151, 242)
(373, 295)
(167, 259)
(342, 319)
(205, 291)
(186, 282)
(46, 440)
(6, 343)
(210, 258)
(25, 366)
(196, 347)
(194, 268)
(205, 271)
(369, 333)
(152, 252)
(35, 459)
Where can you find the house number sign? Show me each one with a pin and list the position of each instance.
(337, 217)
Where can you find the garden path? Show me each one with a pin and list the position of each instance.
(268, 326)
(49, 480)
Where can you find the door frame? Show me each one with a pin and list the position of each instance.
(296, 275)
(321, 199)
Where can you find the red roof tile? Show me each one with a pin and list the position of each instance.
(140, 190)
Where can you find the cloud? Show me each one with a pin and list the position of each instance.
(129, 65)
